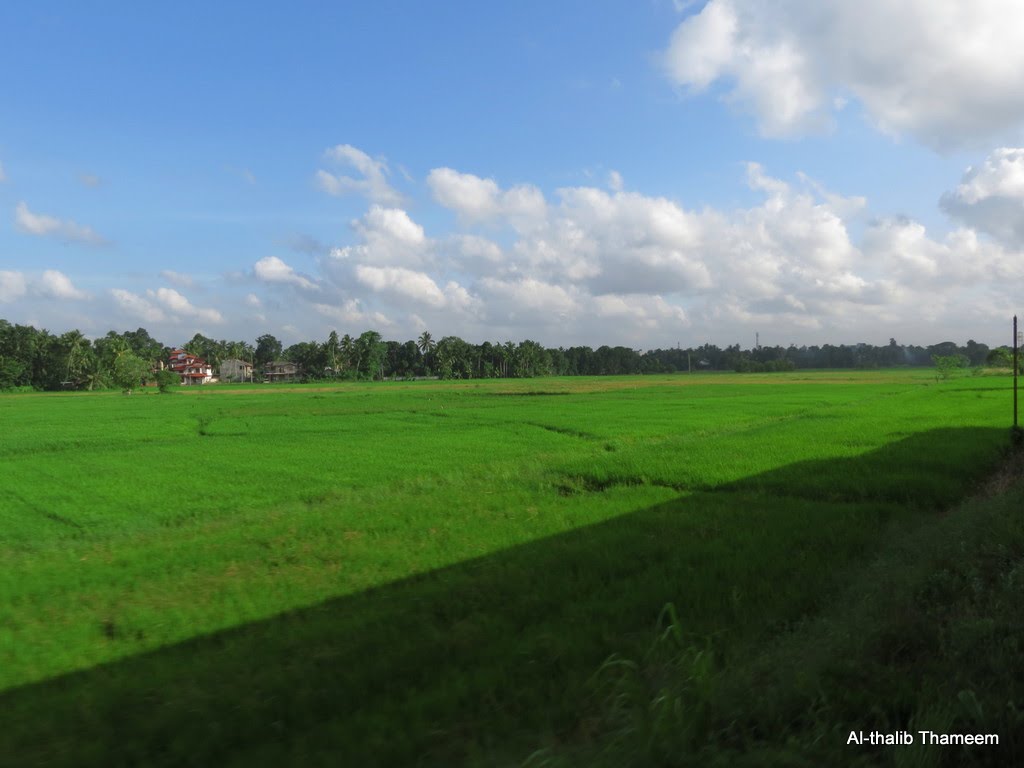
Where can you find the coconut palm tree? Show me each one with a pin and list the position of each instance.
(347, 347)
(333, 347)
(426, 343)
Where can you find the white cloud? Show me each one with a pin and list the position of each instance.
(137, 307)
(390, 238)
(991, 198)
(42, 225)
(464, 193)
(3, 176)
(57, 285)
(943, 71)
(528, 301)
(475, 254)
(13, 285)
(405, 283)
(604, 265)
(621, 243)
(271, 269)
(392, 224)
(352, 313)
(475, 199)
(177, 304)
(910, 256)
(373, 184)
(647, 312)
(89, 180)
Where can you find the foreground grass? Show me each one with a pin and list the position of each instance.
(926, 636)
(431, 574)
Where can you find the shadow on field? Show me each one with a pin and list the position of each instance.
(480, 662)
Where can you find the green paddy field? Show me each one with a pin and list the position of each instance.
(664, 570)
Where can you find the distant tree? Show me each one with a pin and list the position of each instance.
(976, 353)
(370, 351)
(347, 348)
(142, 344)
(947, 365)
(95, 375)
(130, 371)
(210, 350)
(426, 343)
(76, 351)
(110, 347)
(408, 360)
(332, 351)
(531, 360)
(1001, 357)
(268, 349)
(309, 356)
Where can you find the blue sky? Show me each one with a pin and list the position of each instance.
(573, 172)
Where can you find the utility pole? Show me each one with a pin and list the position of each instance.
(1016, 365)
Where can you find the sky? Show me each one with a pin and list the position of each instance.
(643, 173)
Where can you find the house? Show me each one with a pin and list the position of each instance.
(234, 369)
(191, 368)
(280, 370)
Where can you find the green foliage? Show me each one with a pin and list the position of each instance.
(779, 365)
(268, 349)
(167, 380)
(29, 357)
(370, 353)
(130, 372)
(947, 365)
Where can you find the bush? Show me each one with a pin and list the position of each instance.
(166, 380)
(947, 365)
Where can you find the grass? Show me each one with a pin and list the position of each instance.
(432, 573)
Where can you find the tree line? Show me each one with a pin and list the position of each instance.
(38, 359)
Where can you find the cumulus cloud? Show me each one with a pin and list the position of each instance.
(389, 238)
(527, 301)
(648, 312)
(352, 313)
(373, 184)
(271, 269)
(57, 285)
(600, 264)
(476, 199)
(137, 307)
(990, 198)
(625, 262)
(49, 226)
(178, 305)
(404, 283)
(13, 285)
(906, 253)
(943, 71)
